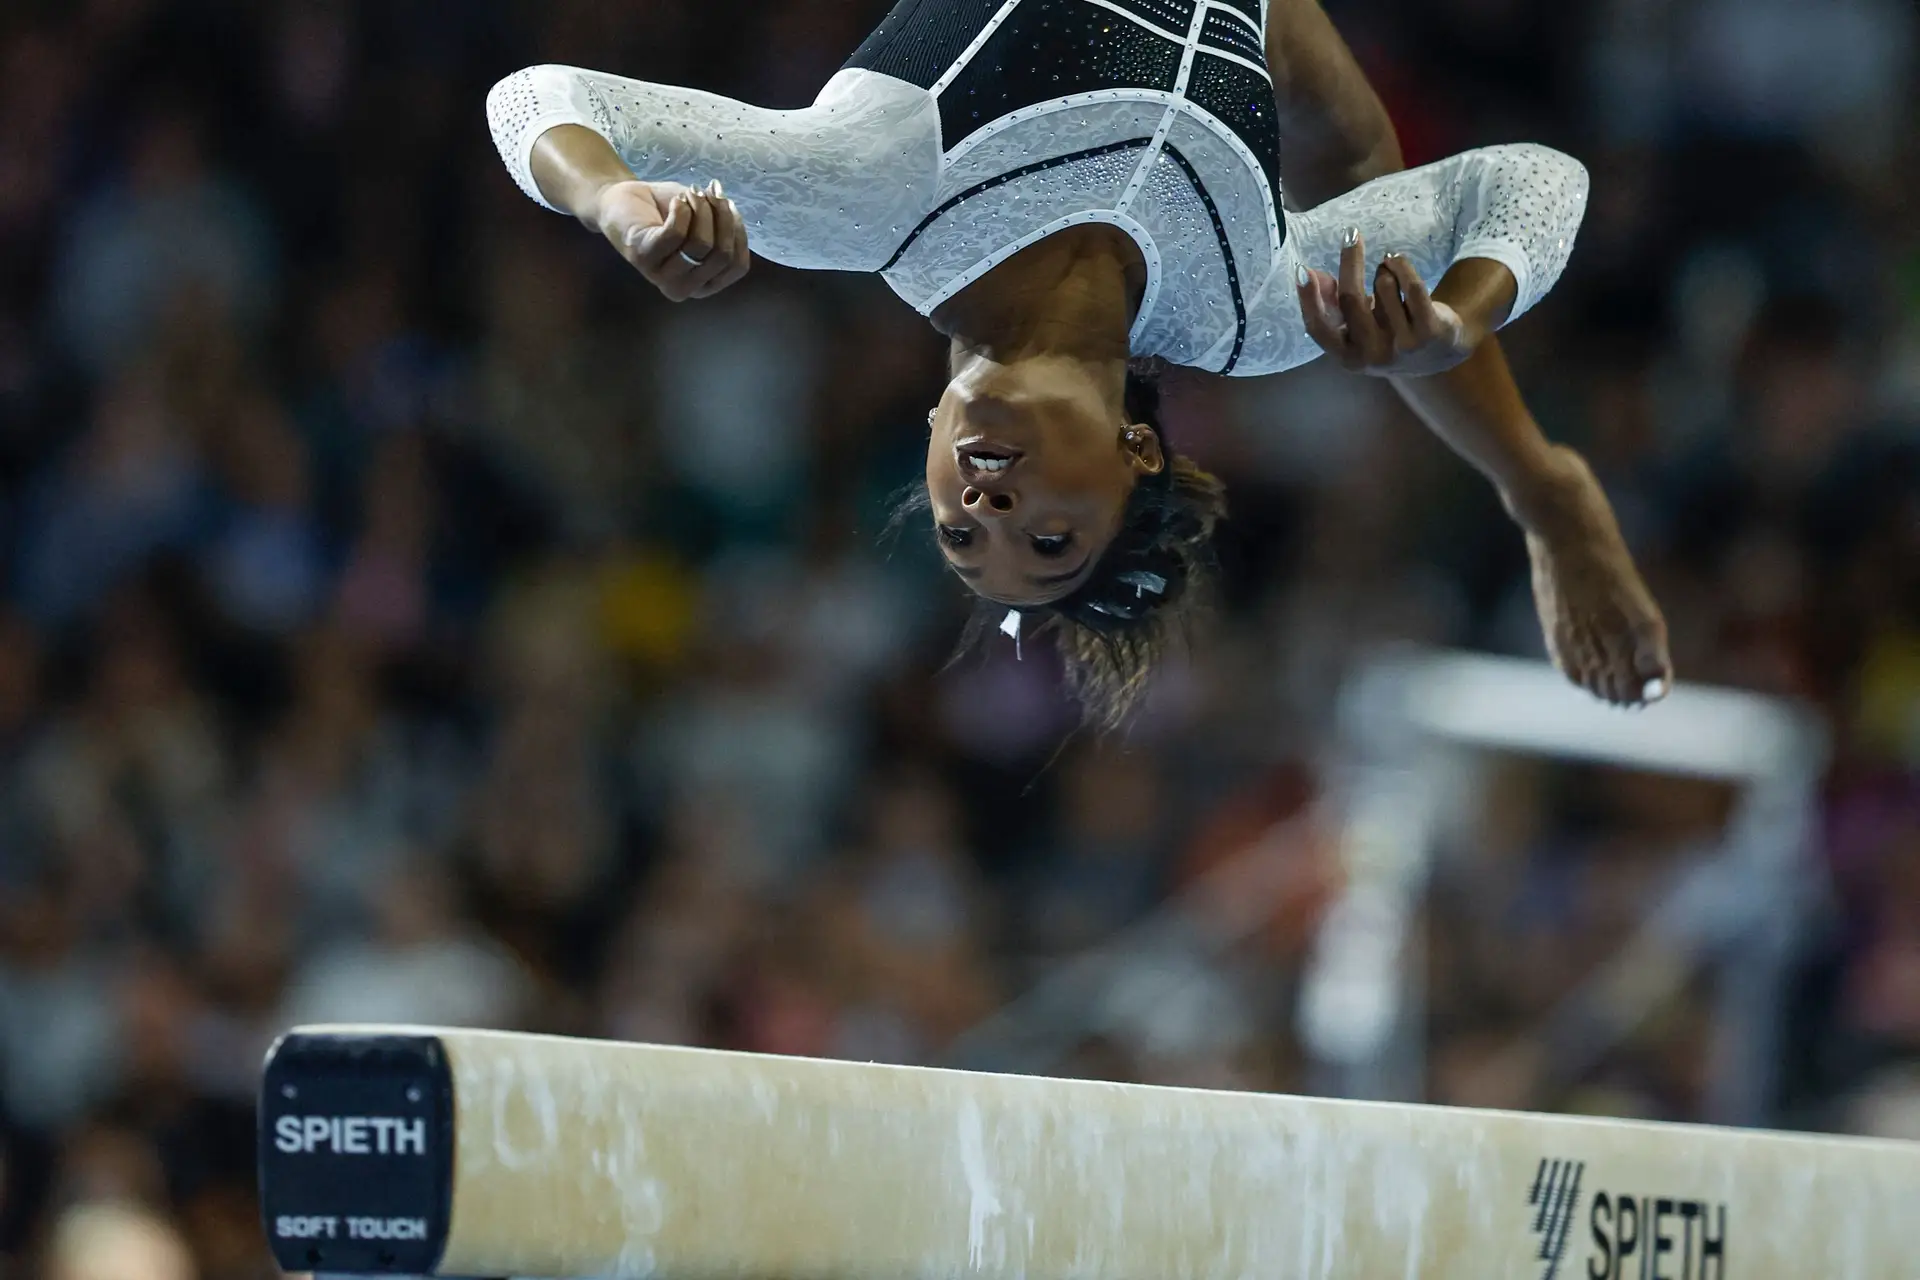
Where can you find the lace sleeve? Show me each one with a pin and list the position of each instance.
(528, 103)
(820, 187)
(1519, 205)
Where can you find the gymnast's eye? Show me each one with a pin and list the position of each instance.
(955, 537)
(1053, 544)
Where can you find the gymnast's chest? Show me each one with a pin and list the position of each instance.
(1186, 189)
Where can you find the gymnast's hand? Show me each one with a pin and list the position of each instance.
(688, 243)
(1402, 331)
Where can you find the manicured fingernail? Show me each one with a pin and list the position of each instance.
(1300, 276)
(1654, 690)
(719, 192)
(1351, 238)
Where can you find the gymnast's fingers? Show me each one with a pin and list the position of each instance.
(679, 275)
(1426, 321)
(733, 255)
(743, 249)
(1320, 322)
(703, 282)
(1368, 339)
(720, 258)
(1391, 309)
(656, 246)
(701, 240)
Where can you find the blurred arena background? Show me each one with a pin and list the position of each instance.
(406, 615)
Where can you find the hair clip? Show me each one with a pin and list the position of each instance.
(1142, 582)
(1010, 627)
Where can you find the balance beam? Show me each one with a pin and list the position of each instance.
(387, 1150)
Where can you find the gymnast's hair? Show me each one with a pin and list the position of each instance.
(1153, 581)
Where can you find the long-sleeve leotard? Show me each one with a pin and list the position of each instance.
(870, 178)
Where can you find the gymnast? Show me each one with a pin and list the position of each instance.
(1076, 193)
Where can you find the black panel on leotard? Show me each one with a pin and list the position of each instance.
(920, 39)
(1223, 31)
(1244, 101)
(1047, 49)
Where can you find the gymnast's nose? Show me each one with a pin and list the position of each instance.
(979, 502)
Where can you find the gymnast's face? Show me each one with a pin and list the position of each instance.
(1029, 472)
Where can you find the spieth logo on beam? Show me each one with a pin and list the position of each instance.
(1634, 1237)
(1555, 1200)
(350, 1135)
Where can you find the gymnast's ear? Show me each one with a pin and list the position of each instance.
(1142, 445)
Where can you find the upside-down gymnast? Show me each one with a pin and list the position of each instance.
(1073, 191)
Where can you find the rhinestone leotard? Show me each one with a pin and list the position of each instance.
(963, 131)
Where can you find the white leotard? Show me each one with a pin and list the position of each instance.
(964, 130)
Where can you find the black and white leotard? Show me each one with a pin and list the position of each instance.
(963, 131)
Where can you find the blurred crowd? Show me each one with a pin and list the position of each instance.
(406, 616)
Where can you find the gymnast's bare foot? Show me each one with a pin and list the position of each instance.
(1602, 627)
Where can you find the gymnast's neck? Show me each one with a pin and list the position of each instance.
(1073, 295)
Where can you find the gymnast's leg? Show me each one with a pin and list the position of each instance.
(1602, 625)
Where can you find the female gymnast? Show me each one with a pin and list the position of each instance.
(1073, 191)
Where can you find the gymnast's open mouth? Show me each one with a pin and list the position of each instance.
(985, 458)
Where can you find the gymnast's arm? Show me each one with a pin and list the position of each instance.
(821, 187)
(1495, 226)
(1337, 136)
(1335, 132)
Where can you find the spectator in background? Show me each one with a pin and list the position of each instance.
(133, 487)
(168, 232)
(1105, 857)
(384, 596)
(909, 915)
(549, 409)
(421, 965)
(117, 1242)
(746, 723)
(59, 1045)
(265, 564)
